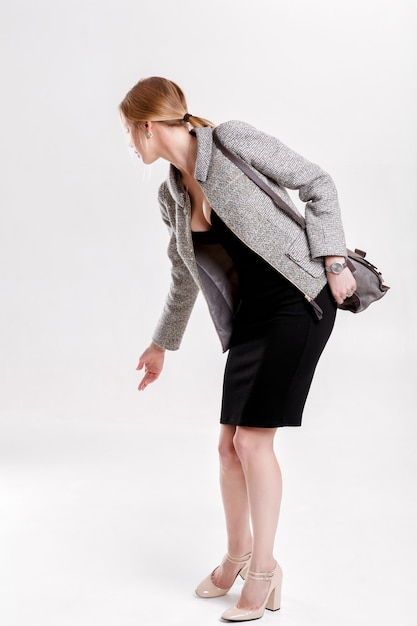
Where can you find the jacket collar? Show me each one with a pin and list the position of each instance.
(204, 150)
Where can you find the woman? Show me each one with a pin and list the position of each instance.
(260, 273)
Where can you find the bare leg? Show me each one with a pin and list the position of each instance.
(236, 506)
(254, 447)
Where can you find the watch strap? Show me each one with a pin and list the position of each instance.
(329, 268)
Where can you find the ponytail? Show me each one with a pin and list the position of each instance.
(159, 100)
(197, 122)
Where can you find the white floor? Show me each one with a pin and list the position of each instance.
(106, 522)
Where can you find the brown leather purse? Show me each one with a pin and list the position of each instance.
(370, 285)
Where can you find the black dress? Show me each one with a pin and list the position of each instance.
(276, 342)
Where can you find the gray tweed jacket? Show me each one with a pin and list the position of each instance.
(253, 217)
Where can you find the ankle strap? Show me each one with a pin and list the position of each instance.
(265, 576)
(238, 560)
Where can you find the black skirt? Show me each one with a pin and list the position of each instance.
(276, 343)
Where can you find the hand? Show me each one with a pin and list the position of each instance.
(153, 360)
(341, 285)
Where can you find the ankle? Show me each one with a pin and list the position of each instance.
(262, 565)
(238, 550)
(234, 557)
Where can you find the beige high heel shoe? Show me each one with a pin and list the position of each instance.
(207, 589)
(272, 601)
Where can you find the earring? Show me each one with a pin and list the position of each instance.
(148, 135)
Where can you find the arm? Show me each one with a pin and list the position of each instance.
(182, 292)
(280, 164)
(178, 306)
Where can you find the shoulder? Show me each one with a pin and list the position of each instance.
(234, 129)
(247, 140)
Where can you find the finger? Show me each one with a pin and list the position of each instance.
(143, 383)
(339, 299)
(147, 379)
(140, 364)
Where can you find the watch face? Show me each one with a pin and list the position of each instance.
(337, 268)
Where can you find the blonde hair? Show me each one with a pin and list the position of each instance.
(158, 99)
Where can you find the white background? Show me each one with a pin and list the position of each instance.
(109, 505)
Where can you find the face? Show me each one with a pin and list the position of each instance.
(139, 142)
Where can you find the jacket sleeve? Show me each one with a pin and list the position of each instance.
(276, 161)
(182, 292)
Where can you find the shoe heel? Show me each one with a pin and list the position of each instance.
(243, 572)
(274, 600)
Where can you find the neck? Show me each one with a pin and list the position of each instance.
(180, 149)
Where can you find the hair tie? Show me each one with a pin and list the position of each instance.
(186, 117)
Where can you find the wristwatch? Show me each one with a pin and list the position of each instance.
(336, 268)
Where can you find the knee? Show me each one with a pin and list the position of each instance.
(248, 443)
(227, 454)
(242, 444)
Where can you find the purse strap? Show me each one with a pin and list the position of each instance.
(250, 173)
(242, 165)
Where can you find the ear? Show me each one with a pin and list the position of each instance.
(148, 126)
